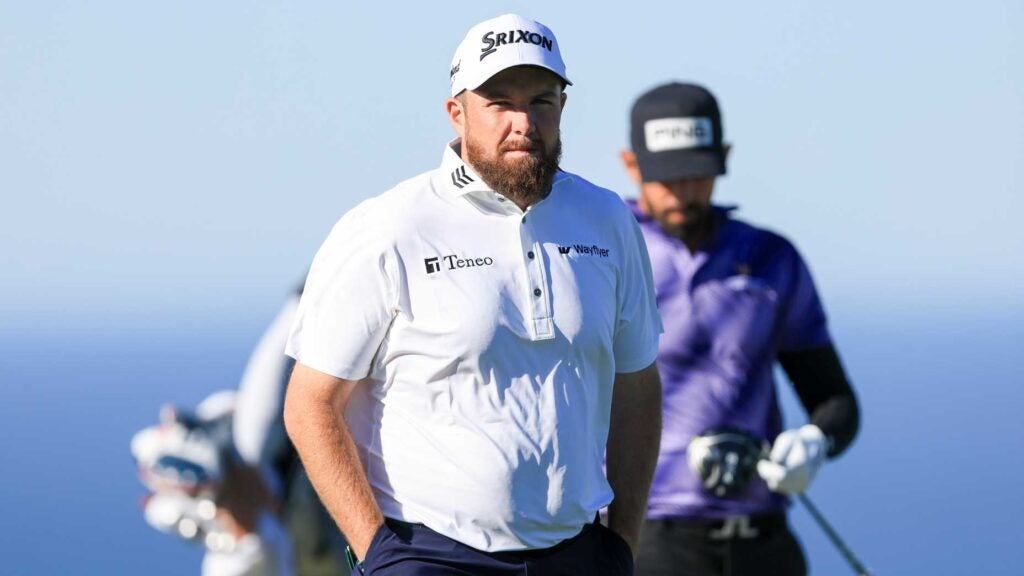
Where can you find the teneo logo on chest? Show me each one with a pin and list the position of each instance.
(492, 40)
(592, 250)
(454, 262)
(678, 133)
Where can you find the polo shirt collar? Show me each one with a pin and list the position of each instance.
(459, 180)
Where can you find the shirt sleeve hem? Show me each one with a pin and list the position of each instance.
(327, 366)
(629, 367)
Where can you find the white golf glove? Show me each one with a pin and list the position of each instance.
(795, 458)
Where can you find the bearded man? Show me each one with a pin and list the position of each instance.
(736, 299)
(464, 368)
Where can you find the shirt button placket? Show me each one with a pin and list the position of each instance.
(535, 274)
(532, 268)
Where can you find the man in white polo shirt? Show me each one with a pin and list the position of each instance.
(472, 343)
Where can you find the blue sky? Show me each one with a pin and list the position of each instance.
(179, 158)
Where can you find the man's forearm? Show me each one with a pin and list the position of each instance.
(632, 454)
(316, 425)
(825, 391)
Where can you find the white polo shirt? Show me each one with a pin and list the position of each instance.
(489, 338)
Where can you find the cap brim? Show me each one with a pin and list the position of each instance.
(680, 164)
(477, 84)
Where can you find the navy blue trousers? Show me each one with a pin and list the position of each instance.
(403, 549)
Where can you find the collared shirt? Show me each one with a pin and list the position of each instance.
(728, 310)
(489, 338)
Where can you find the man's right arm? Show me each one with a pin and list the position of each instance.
(314, 418)
(821, 384)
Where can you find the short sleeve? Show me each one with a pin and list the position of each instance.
(638, 325)
(804, 324)
(349, 299)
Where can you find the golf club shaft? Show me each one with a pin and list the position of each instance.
(833, 536)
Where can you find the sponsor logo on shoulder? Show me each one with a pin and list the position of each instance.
(454, 262)
(591, 250)
(460, 178)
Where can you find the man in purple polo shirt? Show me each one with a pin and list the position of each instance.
(733, 299)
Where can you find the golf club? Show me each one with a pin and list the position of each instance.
(856, 564)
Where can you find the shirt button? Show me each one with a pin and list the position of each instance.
(530, 254)
(536, 292)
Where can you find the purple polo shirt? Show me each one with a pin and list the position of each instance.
(727, 311)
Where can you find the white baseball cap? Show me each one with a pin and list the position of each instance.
(503, 42)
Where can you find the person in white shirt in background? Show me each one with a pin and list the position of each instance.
(227, 476)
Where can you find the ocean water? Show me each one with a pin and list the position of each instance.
(931, 486)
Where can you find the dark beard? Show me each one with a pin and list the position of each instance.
(523, 181)
(699, 226)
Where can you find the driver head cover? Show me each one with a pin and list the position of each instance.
(725, 459)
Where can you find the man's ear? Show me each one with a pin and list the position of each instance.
(456, 115)
(628, 158)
